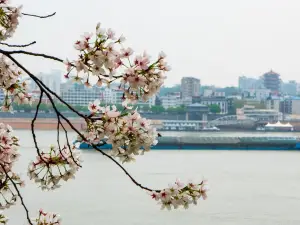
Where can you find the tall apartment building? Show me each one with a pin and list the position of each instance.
(274, 102)
(289, 88)
(272, 81)
(246, 83)
(190, 87)
(291, 105)
(52, 80)
(1, 96)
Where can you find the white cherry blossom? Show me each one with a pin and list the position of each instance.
(180, 194)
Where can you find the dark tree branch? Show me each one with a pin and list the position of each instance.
(41, 85)
(105, 154)
(59, 98)
(18, 46)
(68, 143)
(31, 53)
(67, 138)
(19, 194)
(58, 114)
(32, 125)
(124, 170)
(58, 132)
(42, 17)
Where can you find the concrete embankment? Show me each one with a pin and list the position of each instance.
(49, 123)
(42, 123)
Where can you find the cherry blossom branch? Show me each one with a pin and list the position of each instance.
(42, 17)
(96, 147)
(18, 46)
(129, 133)
(19, 194)
(45, 89)
(102, 152)
(108, 156)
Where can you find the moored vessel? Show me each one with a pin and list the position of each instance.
(276, 127)
(217, 143)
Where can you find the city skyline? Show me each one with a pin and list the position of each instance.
(214, 44)
(202, 83)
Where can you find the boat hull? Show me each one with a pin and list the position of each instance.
(253, 147)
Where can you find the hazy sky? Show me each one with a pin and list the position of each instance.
(214, 40)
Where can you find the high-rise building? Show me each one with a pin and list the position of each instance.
(1, 96)
(298, 88)
(52, 80)
(246, 83)
(190, 87)
(272, 81)
(289, 88)
(291, 105)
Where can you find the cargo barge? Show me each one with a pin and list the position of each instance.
(218, 143)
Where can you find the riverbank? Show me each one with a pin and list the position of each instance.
(42, 123)
(48, 123)
(51, 124)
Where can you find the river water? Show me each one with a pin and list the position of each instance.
(246, 188)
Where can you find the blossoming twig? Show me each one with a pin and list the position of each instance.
(19, 194)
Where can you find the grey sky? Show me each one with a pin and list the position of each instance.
(215, 40)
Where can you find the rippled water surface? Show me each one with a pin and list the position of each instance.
(257, 188)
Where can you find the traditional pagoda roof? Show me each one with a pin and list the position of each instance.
(271, 72)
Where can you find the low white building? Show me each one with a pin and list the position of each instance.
(186, 101)
(78, 94)
(208, 92)
(109, 96)
(258, 94)
(170, 101)
(268, 115)
(219, 94)
(220, 101)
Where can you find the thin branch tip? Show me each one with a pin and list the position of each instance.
(18, 46)
(42, 17)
